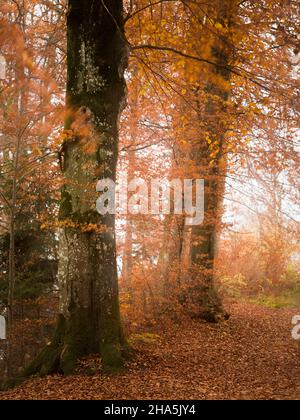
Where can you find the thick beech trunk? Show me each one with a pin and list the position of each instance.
(89, 317)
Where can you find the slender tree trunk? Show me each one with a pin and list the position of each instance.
(11, 282)
(128, 246)
(171, 254)
(12, 255)
(133, 127)
(22, 107)
(210, 154)
(89, 317)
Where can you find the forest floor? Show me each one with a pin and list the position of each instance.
(252, 356)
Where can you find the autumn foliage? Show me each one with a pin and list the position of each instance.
(213, 94)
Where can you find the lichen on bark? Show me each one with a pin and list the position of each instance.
(89, 315)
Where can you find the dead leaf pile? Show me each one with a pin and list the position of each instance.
(252, 356)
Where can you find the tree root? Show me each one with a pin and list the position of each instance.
(61, 355)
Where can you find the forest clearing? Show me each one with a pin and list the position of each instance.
(149, 200)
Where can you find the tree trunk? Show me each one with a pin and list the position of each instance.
(128, 246)
(210, 154)
(89, 317)
(12, 258)
(133, 131)
(11, 284)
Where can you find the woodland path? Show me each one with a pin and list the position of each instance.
(252, 356)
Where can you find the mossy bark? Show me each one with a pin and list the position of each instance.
(89, 316)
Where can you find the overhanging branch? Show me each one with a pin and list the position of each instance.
(232, 69)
